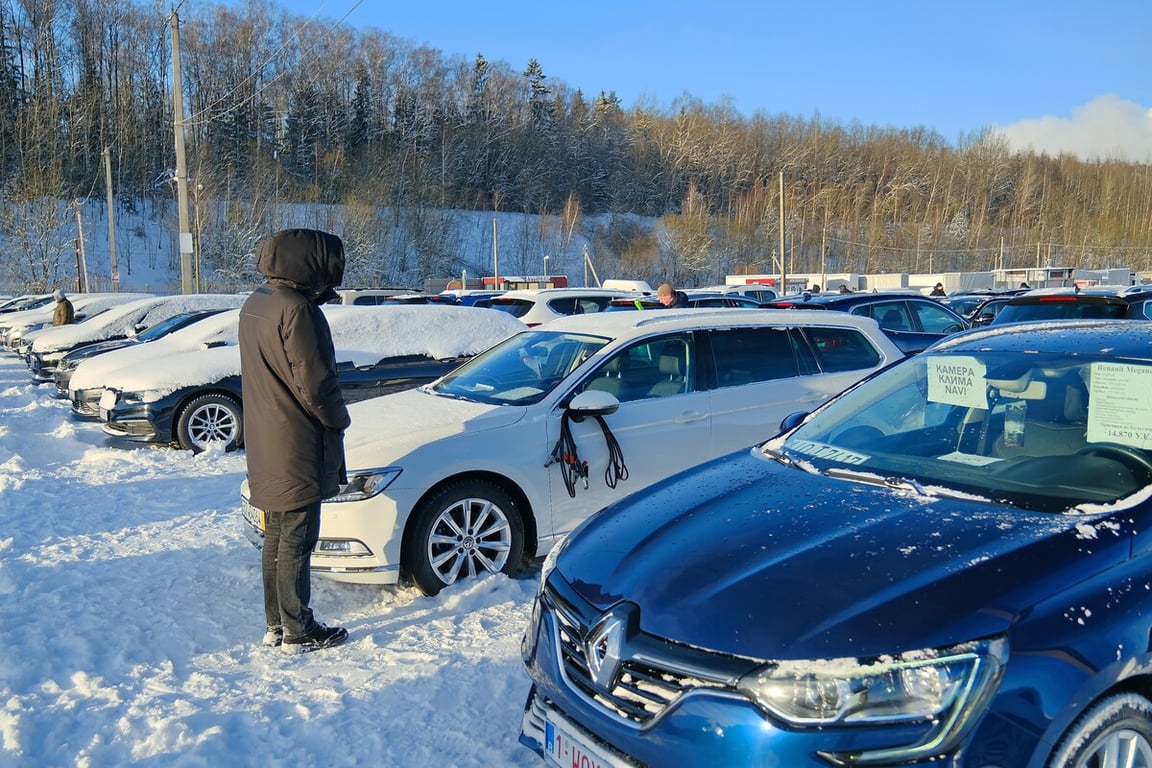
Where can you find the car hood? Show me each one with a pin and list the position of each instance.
(750, 558)
(194, 368)
(386, 428)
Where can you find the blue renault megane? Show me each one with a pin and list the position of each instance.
(948, 564)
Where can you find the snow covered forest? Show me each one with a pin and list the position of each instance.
(387, 143)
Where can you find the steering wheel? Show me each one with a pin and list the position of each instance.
(1123, 453)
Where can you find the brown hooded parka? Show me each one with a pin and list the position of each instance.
(294, 414)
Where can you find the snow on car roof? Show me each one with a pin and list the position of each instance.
(363, 335)
(121, 319)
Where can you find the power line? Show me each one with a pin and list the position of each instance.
(202, 118)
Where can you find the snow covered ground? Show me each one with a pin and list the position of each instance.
(132, 619)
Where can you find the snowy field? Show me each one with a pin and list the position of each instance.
(132, 619)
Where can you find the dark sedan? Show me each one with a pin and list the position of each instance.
(912, 321)
(948, 564)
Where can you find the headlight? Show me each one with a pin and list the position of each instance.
(941, 688)
(365, 483)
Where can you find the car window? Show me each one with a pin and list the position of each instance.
(1060, 310)
(514, 307)
(842, 349)
(748, 355)
(578, 305)
(935, 319)
(891, 315)
(658, 367)
(520, 370)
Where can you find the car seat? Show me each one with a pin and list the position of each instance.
(611, 378)
(673, 367)
(893, 321)
(1056, 425)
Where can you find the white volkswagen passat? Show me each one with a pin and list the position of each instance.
(493, 463)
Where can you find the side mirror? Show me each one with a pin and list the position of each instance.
(592, 402)
(792, 420)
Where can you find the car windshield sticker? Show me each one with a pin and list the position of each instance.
(968, 458)
(1119, 410)
(825, 451)
(957, 380)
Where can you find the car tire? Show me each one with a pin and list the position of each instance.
(462, 530)
(1119, 726)
(210, 419)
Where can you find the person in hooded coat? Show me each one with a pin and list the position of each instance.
(64, 313)
(294, 422)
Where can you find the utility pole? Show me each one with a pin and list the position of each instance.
(111, 221)
(81, 256)
(186, 282)
(783, 268)
(495, 258)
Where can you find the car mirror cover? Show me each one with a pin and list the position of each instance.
(593, 402)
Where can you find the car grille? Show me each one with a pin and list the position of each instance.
(653, 673)
(84, 406)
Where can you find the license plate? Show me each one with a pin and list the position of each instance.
(569, 751)
(255, 517)
(107, 400)
(103, 414)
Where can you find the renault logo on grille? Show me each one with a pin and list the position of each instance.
(603, 646)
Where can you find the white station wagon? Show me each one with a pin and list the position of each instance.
(496, 461)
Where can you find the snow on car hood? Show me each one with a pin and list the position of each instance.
(385, 428)
(176, 371)
(749, 558)
(146, 359)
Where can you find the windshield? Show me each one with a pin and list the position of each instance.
(165, 327)
(520, 370)
(1041, 431)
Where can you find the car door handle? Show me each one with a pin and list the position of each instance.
(690, 416)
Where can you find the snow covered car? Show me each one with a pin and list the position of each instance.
(16, 326)
(947, 565)
(193, 398)
(86, 383)
(119, 322)
(493, 463)
(67, 365)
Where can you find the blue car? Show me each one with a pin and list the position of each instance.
(949, 564)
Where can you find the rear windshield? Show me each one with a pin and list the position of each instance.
(1061, 310)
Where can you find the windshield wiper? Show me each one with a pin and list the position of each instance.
(779, 456)
(895, 483)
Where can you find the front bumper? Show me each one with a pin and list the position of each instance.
(340, 529)
(702, 724)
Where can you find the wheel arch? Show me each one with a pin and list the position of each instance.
(1139, 684)
(505, 483)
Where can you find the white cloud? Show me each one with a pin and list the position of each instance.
(1108, 127)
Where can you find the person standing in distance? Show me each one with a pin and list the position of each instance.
(671, 298)
(294, 422)
(65, 313)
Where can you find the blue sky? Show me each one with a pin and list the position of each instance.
(1056, 74)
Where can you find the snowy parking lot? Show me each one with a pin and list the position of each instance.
(132, 619)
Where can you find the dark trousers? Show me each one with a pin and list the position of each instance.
(286, 563)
